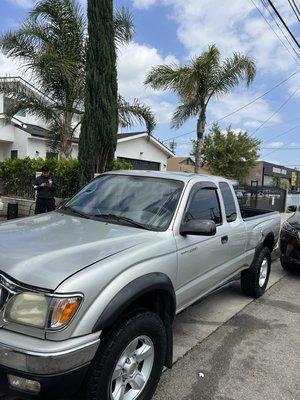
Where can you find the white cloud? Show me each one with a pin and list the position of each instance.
(8, 66)
(250, 117)
(275, 145)
(143, 4)
(134, 62)
(232, 26)
(21, 3)
(294, 144)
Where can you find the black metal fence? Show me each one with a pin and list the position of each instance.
(264, 197)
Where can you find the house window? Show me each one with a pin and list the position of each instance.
(14, 154)
(52, 155)
(7, 103)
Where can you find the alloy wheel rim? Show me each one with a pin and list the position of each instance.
(263, 273)
(132, 370)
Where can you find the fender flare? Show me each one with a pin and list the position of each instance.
(132, 291)
(266, 234)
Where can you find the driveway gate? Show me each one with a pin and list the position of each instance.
(265, 197)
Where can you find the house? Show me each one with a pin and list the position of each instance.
(185, 164)
(25, 135)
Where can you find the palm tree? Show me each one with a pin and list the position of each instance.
(135, 112)
(51, 45)
(196, 83)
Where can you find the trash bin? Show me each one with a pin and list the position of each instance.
(12, 210)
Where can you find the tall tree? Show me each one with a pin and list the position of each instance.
(51, 44)
(231, 153)
(202, 79)
(99, 127)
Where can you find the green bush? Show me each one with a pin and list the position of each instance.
(119, 164)
(18, 175)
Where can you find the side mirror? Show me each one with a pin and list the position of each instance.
(292, 208)
(198, 227)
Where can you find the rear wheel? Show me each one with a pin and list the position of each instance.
(254, 280)
(130, 360)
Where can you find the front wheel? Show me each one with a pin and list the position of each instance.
(286, 265)
(130, 360)
(254, 280)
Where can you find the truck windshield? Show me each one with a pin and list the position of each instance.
(139, 201)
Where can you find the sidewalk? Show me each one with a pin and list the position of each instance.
(254, 356)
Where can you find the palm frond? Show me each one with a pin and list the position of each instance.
(168, 77)
(124, 27)
(182, 113)
(233, 71)
(135, 112)
(25, 99)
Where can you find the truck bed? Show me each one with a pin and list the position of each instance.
(250, 212)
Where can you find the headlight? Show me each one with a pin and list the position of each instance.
(289, 228)
(41, 311)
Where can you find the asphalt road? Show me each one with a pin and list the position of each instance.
(253, 356)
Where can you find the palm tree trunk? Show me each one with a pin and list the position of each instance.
(65, 150)
(200, 136)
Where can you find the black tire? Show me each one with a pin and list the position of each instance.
(250, 277)
(287, 266)
(98, 382)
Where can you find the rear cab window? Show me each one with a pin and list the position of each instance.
(229, 203)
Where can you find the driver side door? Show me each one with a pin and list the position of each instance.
(199, 256)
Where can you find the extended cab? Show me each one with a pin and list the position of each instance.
(88, 293)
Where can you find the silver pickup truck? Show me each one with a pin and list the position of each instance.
(88, 293)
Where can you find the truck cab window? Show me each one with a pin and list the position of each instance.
(229, 203)
(204, 204)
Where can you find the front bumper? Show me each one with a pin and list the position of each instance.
(290, 248)
(50, 363)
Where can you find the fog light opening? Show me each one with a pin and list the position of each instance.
(24, 385)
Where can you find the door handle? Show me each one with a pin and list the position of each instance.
(224, 239)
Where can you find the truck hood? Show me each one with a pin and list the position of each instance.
(44, 250)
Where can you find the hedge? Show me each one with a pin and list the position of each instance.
(17, 175)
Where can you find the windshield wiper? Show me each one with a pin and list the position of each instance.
(76, 212)
(123, 219)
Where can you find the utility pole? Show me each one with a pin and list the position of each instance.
(173, 146)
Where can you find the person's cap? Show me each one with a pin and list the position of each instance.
(45, 168)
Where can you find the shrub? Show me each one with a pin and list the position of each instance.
(18, 175)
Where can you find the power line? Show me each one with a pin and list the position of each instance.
(282, 134)
(240, 108)
(265, 4)
(278, 37)
(276, 112)
(284, 23)
(294, 9)
(279, 148)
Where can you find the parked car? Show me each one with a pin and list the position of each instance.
(89, 292)
(290, 241)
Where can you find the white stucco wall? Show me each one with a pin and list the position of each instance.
(141, 149)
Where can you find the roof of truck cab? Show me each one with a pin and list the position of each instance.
(181, 176)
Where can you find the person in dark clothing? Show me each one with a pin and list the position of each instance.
(45, 185)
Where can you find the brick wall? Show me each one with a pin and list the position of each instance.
(255, 174)
(26, 207)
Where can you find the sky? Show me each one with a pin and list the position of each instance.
(173, 31)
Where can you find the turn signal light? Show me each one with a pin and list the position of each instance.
(63, 311)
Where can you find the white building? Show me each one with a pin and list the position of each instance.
(26, 136)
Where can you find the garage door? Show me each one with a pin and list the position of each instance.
(141, 164)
